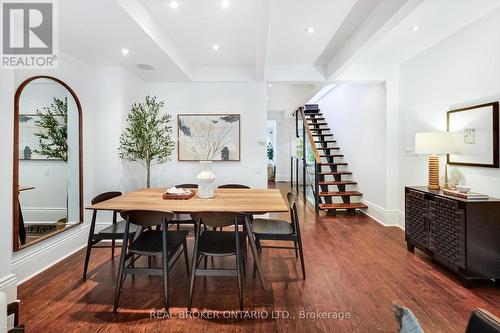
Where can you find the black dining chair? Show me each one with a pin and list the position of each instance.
(180, 218)
(233, 186)
(113, 232)
(210, 243)
(150, 242)
(280, 230)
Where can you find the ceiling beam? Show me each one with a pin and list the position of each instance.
(262, 10)
(384, 17)
(156, 32)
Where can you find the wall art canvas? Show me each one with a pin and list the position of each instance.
(208, 137)
(475, 129)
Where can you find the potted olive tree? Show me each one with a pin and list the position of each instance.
(147, 137)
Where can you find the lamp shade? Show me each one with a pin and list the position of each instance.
(435, 143)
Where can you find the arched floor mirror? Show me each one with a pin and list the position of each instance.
(48, 176)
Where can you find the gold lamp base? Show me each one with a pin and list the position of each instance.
(434, 173)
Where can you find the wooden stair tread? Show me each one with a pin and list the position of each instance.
(325, 141)
(326, 134)
(315, 118)
(353, 205)
(319, 129)
(336, 173)
(315, 123)
(342, 182)
(320, 148)
(332, 155)
(340, 163)
(308, 115)
(341, 194)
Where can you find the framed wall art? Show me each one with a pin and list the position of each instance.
(208, 137)
(476, 130)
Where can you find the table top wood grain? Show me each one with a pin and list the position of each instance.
(236, 200)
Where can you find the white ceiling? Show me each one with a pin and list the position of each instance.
(198, 24)
(262, 40)
(95, 31)
(289, 43)
(436, 19)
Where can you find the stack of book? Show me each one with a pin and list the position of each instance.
(466, 196)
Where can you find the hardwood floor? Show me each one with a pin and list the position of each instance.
(355, 267)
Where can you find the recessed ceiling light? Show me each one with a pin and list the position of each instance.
(125, 52)
(174, 4)
(215, 47)
(268, 98)
(269, 85)
(310, 29)
(225, 4)
(415, 28)
(145, 67)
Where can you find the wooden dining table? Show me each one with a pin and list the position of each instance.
(249, 201)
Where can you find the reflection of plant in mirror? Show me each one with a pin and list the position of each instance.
(53, 136)
(147, 136)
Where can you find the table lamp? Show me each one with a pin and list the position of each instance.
(434, 144)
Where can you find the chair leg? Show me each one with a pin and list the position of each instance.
(112, 249)
(301, 252)
(150, 261)
(257, 243)
(193, 270)
(186, 259)
(178, 227)
(296, 249)
(240, 280)
(191, 283)
(119, 279)
(87, 258)
(165, 280)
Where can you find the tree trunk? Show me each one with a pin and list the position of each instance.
(148, 174)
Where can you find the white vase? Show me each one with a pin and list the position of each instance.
(205, 179)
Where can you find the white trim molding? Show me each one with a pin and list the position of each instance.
(386, 217)
(8, 284)
(39, 257)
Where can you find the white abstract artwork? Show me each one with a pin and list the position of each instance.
(208, 137)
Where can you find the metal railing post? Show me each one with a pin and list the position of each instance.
(316, 188)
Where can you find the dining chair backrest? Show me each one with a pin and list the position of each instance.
(233, 186)
(292, 198)
(187, 186)
(146, 218)
(105, 196)
(218, 219)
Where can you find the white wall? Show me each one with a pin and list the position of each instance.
(285, 143)
(247, 99)
(7, 279)
(461, 70)
(356, 115)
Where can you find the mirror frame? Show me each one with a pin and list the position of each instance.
(15, 187)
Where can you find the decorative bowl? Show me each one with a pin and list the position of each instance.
(463, 188)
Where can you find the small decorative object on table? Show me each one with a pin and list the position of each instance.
(205, 179)
(175, 193)
(462, 193)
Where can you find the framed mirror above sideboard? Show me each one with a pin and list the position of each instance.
(47, 173)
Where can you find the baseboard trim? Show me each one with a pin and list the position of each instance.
(8, 284)
(33, 260)
(386, 217)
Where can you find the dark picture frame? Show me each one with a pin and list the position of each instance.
(190, 130)
(494, 107)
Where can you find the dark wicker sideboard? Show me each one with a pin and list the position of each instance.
(462, 235)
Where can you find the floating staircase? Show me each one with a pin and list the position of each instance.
(334, 191)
